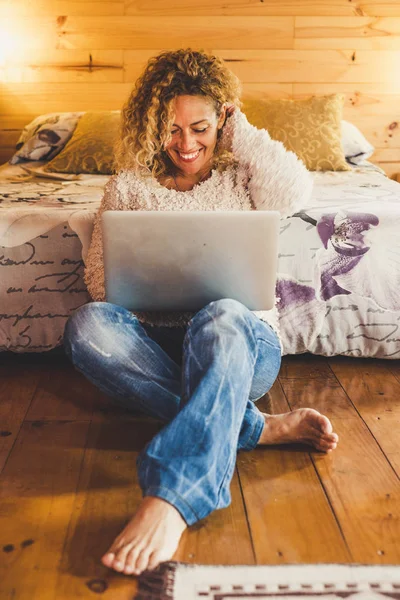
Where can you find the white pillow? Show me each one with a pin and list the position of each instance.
(45, 136)
(355, 147)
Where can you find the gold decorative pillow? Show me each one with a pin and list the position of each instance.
(310, 127)
(91, 147)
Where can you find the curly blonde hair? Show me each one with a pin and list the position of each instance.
(147, 115)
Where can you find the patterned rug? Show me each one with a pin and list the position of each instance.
(180, 581)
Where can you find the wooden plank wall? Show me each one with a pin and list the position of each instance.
(62, 55)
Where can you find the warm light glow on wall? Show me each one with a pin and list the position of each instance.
(13, 51)
(17, 40)
(18, 44)
(8, 43)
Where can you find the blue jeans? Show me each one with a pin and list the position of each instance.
(230, 358)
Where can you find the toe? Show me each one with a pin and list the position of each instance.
(154, 560)
(131, 561)
(108, 559)
(319, 422)
(325, 424)
(118, 565)
(143, 560)
(325, 446)
(120, 557)
(330, 438)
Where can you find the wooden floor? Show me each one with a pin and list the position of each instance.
(68, 478)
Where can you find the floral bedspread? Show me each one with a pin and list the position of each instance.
(338, 267)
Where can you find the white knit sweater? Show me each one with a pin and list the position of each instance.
(268, 177)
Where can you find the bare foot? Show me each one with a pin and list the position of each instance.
(301, 425)
(151, 537)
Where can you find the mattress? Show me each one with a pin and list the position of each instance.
(338, 266)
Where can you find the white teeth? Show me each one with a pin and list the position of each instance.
(189, 155)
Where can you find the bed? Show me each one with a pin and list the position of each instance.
(41, 255)
(338, 267)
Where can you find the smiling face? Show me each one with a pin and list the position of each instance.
(194, 134)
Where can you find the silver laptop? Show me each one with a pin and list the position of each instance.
(182, 260)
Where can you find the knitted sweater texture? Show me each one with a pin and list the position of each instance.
(268, 177)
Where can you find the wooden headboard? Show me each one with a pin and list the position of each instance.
(88, 54)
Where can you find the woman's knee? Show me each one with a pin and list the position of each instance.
(226, 308)
(225, 312)
(82, 319)
(224, 315)
(92, 323)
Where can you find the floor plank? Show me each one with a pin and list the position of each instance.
(375, 393)
(17, 387)
(370, 386)
(107, 496)
(290, 518)
(63, 393)
(394, 368)
(37, 493)
(361, 485)
(305, 366)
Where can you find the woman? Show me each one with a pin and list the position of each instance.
(184, 144)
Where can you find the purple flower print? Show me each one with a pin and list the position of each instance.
(344, 233)
(291, 293)
(300, 313)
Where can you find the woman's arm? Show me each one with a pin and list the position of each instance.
(94, 269)
(278, 179)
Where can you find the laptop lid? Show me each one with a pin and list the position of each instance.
(182, 260)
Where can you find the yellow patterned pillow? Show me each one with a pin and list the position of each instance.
(309, 127)
(91, 147)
